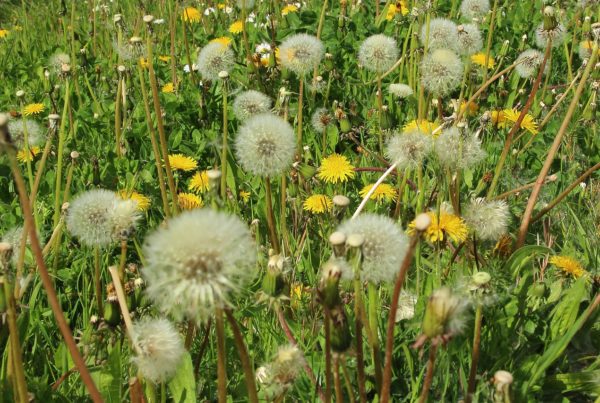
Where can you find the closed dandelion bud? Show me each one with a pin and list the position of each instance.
(550, 30)
(443, 34)
(307, 171)
(387, 121)
(441, 72)
(328, 63)
(443, 314)
(338, 242)
(378, 53)
(273, 283)
(328, 291)
(341, 339)
(112, 314)
(345, 125)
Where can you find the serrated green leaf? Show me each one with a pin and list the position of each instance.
(565, 312)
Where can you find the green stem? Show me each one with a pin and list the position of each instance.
(475, 354)
(221, 357)
(224, 145)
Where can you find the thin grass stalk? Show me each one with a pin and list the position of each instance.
(118, 117)
(41, 166)
(45, 277)
(299, 128)
(374, 306)
(535, 192)
(244, 357)
(347, 383)
(490, 35)
(339, 395)
(97, 280)
(475, 354)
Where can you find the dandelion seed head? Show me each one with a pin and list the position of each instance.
(159, 349)
(58, 60)
(321, 119)
(444, 314)
(469, 39)
(443, 34)
(250, 103)
(35, 133)
(90, 217)
(197, 262)
(337, 267)
(456, 150)
(213, 59)
(556, 34)
(529, 62)
(487, 219)
(384, 245)
(474, 8)
(265, 145)
(14, 237)
(400, 90)
(441, 72)
(245, 4)
(301, 53)
(406, 306)
(125, 217)
(409, 148)
(378, 53)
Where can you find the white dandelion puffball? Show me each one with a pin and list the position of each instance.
(159, 349)
(90, 217)
(378, 53)
(488, 219)
(469, 40)
(408, 149)
(443, 34)
(556, 34)
(245, 4)
(197, 261)
(474, 8)
(400, 90)
(529, 61)
(441, 72)
(265, 145)
(35, 133)
(384, 245)
(458, 150)
(250, 103)
(301, 53)
(213, 59)
(321, 119)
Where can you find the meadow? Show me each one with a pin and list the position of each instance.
(271, 201)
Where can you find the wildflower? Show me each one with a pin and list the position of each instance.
(199, 182)
(479, 59)
(383, 193)
(458, 150)
(213, 59)
(568, 265)
(168, 88)
(335, 168)
(529, 62)
(421, 125)
(265, 145)
(17, 127)
(409, 148)
(384, 245)
(289, 8)
(4, 33)
(33, 109)
(469, 39)
(189, 201)
(165, 59)
(143, 202)
(441, 72)
(143, 62)
(503, 119)
(159, 349)
(223, 40)
(321, 119)
(443, 226)
(400, 90)
(301, 53)
(195, 263)
(406, 306)
(318, 204)
(443, 34)
(396, 8)
(469, 109)
(474, 8)
(180, 162)
(237, 27)
(549, 30)
(25, 155)
(250, 103)
(244, 195)
(488, 219)
(191, 14)
(378, 53)
(444, 315)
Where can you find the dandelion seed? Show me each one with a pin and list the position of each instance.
(335, 168)
(479, 59)
(159, 349)
(488, 219)
(400, 90)
(189, 201)
(301, 53)
(213, 59)
(378, 53)
(469, 39)
(180, 162)
(321, 119)
(458, 151)
(383, 193)
(197, 262)
(443, 34)
(443, 226)
(529, 62)
(568, 265)
(474, 8)
(191, 14)
(250, 103)
(409, 148)
(318, 204)
(14, 237)
(199, 182)
(441, 72)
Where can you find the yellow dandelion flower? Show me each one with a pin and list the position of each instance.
(290, 8)
(189, 201)
(470, 110)
(264, 60)
(335, 168)
(199, 182)
(318, 204)
(4, 33)
(445, 226)
(506, 117)
(143, 202)
(236, 27)
(221, 6)
(245, 196)
(191, 14)
(479, 59)
(422, 125)
(180, 162)
(568, 265)
(164, 58)
(143, 63)
(384, 192)
(33, 109)
(396, 8)
(223, 40)
(28, 155)
(168, 88)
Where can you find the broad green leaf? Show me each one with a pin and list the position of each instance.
(522, 256)
(565, 312)
(183, 384)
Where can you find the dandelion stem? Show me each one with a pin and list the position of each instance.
(475, 354)
(347, 382)
(358, 325)
(300, 105)
(123, 259)
(328, 374)
(122, 302)
(118, 117)
(339, 395)
(221, 356)
(15, 345)
(244, 357)
(365, 199)
(488, 45)
(224, 145)
(97, 278)
(270, 216)
(429, 375)
(59, 154)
